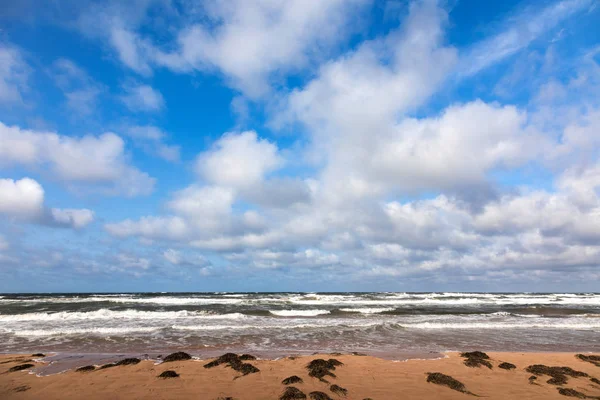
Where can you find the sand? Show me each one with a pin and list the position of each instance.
(362, 377)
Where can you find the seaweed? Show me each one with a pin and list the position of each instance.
(507, 366)
(292, 393)
(22, 388)
(178, 356)
(247, 357)
(594, 359)
(87, 368)
(595, 380)
(38, 355)
(128, 361)
(335, 363)
(340, 391)
(558, 375)
(319, 396)
(292, 379)
(476, 359)
(109, 365)
(532, 380)
(169, 374)
(20, 367)
(441, 379)
(244, 368)
(572, 393)
(319, 368)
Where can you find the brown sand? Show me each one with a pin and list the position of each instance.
(363, 377)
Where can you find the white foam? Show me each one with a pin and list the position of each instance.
(374, 310)
(299, 313)
(105, 314)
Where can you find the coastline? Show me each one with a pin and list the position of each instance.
(362, 376)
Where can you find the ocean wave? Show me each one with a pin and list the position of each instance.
(373, 310)
(299, 313)
(105, 314)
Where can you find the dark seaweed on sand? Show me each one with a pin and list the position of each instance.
(574, 393)
(292, 393)
(594, 359)
(532, 379)
(319, 396)
(128, 361)
(38, 355)
(109, 365)
(558, 375)
(234, 361)
(87, 368)
(247, 357)
(340, 391)
(179, 356)
(320, 368)
(476, 359)
(20, 367)
(595, 380)
(507, 365)
(169, 374)
(226, 358)
(292, 379)
(244, 368)
(441, 379)
(22, 388)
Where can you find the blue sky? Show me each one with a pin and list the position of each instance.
(175, 145)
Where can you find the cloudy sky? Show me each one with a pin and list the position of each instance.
(177, 145)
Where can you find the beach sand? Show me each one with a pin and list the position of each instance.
(362, 376)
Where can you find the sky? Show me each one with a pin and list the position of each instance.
(271, 145)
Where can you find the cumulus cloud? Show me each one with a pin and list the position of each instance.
(88, 160)
(23, 199)
(238, 160)
(142, 98)
(80, 90)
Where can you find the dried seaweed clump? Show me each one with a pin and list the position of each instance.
(226, 358)
(559, 375)
(476, 359)
(178, 356)
(38, 355)
(169, 374)
(234, 361)
(340, 391)
(247, 357)
(594, 359)
(573, 393)
(320, 368)
(292, 379)
(507, 365)
(87, 368)
(319, 396)
(20, 367)
(128, 361)
(441, 379)
(292, 393)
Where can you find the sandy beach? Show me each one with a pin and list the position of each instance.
(364, 377)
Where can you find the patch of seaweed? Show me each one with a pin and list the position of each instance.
(572, 393)
(475, 359)
(292, 379)
(532, 379)
(234, 361)
(595, 380)
(178, 356)
(22, 388)
(441, 379)
(319, 368)
(292, 393)
(20, 367)
(594, 359)
(319, 396)
(109, 365)
(128, 361)
(169, 374)
(340, 391)
(247, 357)
(244, 368)
(335, 363)
(507, 366)
(87, 368)
(38, 355)
(558, 375)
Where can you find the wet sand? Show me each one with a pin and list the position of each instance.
(362, 376)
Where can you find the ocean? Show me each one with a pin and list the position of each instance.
(276, 324)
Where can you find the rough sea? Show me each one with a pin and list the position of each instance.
(275, 324)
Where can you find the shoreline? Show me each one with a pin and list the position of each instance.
(363, 376)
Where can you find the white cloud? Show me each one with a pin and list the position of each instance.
(89, 160)
(24, 200)
(151, 139)
(142, 98)
(238, 160)
(127, 44)
(21, 198)
(520, 31)
(80, 90)
(14, 73)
